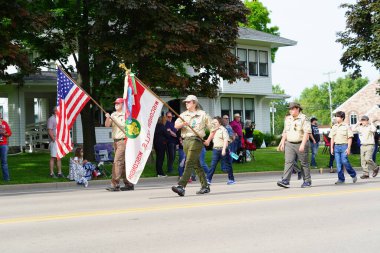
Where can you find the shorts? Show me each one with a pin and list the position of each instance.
(53, 149)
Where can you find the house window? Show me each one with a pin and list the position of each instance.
(242, 57)
(225, 104)
(238, 106)
(252, 62)
(353, 118)
(249, 109)
(263, 63)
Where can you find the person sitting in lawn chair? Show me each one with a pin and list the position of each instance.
(81, 170)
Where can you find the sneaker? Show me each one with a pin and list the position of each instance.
(339, 182)
(85, 184)
(161, 175)
(60, 175)
(306, 185)
(128, 188)
(332, 170)
(179, 190)
(53, 175)
(354, 179)
(230, 182)
(204, 190)
(283, 183)
(113, 188)
(375, 171)
(208, 182)
(364, 177)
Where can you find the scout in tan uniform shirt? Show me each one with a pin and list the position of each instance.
(366, 132)
(220, 151)
(295, 144)
(192, 145)
(118, 136)
(341, 140)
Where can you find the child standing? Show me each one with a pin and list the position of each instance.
(220, 151)
(341, 140)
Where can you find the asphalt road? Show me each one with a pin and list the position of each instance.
(252, 216)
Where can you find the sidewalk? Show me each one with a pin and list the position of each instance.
(156, 182)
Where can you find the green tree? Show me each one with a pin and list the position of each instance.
(258, 19)
(315, 100)
(361, 38)
(158, 39)
(281, 109)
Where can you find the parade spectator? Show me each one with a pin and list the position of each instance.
(171, 142)
(118, 136)
(52, 131)
(314, 141)
(160, 141)
(366, 132)
(220, 152)
(193, 119)
(248, 136)
(238, 132)
(376, 148)
(341, 140)
(5, 133)
(81, 170)
(294, 142)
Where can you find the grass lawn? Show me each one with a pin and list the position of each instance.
(34, 168)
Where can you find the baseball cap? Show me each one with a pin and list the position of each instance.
(364, 117)
(294, 104)
(191, 98)
(119, 101)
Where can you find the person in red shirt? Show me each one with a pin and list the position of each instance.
(5, 133)
(238, 132)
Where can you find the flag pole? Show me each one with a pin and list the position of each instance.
(127, 71)
(93, 100)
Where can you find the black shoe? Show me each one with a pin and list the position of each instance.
(283, 183)
(193, 178)
(60, 175)
(113, 189)
(299, 175)
(128, 188)
(204, 190)
(375, 171)
(364, 177)
(179, 190)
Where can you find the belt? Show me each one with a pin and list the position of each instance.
(116, 140)
(340, 144)
(298, 142)
(218, 148)
(192, 138)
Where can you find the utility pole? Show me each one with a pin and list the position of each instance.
(329, 76)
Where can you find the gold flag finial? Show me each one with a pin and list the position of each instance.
(127, 70)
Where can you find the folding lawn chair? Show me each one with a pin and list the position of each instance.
(103, 155)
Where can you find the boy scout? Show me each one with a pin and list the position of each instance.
(341, 140)
(295, 142)
(192, 145)
(366, 132)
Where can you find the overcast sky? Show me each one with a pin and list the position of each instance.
(313, 24)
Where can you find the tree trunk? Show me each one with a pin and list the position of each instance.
(88, 126)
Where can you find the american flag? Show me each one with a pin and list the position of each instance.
(70, 101)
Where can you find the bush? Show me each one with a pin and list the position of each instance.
(258, 138)
(270, 140)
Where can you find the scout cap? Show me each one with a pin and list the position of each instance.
(191, 98)
(119, 101)
(294, 104)
(364, 117)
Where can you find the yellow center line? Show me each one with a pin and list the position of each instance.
(179, 206)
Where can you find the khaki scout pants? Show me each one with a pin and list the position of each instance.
(291, 154)
(192, 148)
(367, 163)
(118, 166)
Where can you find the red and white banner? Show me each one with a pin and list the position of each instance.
(140, 131)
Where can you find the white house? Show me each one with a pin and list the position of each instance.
(27, 107)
